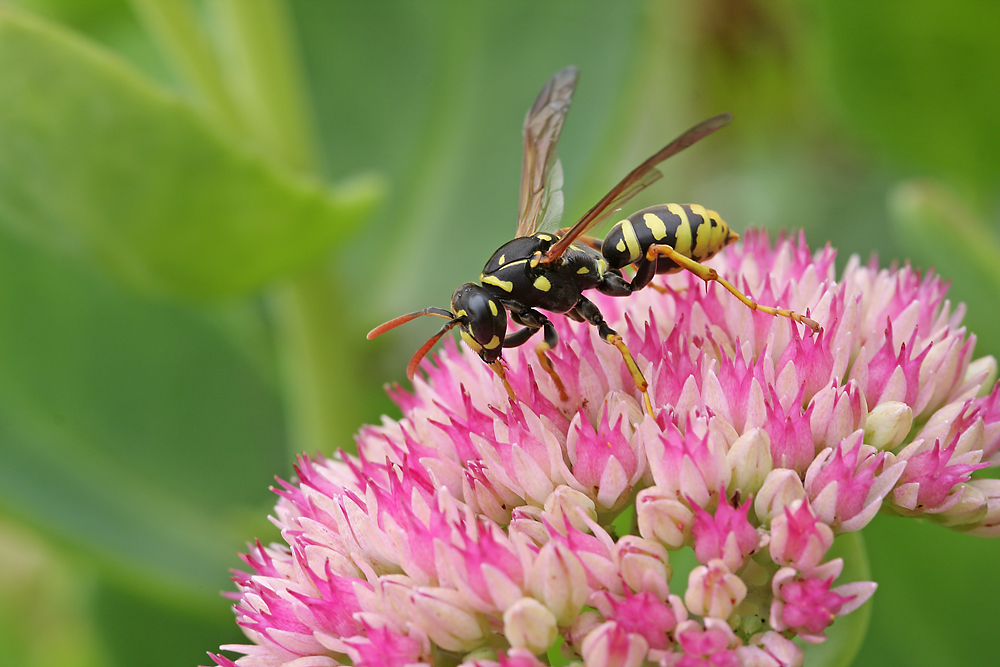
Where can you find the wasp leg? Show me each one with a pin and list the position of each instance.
(520, 337)
(502, 374)
(707, 273)
(586, 308)
(613, 284)
(532, 320)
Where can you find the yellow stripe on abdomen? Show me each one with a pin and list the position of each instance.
(703, 238)
(628, 233)
(683, 231)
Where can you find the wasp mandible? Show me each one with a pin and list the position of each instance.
(541, 271)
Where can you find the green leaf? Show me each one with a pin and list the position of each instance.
(914, 77)
(131, 431)
(95, 157)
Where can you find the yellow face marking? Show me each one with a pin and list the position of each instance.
(470, 341)
(655, 226)
(505, 285)
(634, 251)
(460, 313)
(582, 270)
(492, 345)
(493, 307)
(503, 258)
(542, 284)
(683, 231)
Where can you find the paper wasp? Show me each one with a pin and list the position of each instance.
(543, 271)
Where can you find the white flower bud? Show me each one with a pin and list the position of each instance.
(443, 614)
(713, 590)
(663, 518)
(529, 624)
(559, 581)
(750, 460)
(781, 488)
(987, 366)
(565, 504)
(970, 508)
(888, 425)
(989, 524)
(644, 565)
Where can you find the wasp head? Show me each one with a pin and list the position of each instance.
(482, 320)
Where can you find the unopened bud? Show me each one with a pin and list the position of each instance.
(713, 590)
(750, 460)
(781, 488)
(971, 507)
(564, 504)
(443, 614)
(888, 424)
(663, 518)
(987, 366)
(644, 565)
(836, 413)
(559, 581)
(529, 624)
(989, 524)
(527, 520)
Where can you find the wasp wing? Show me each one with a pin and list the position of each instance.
(552, 200)
(542, 126)
(637, 180)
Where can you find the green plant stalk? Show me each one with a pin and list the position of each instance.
(264, 96)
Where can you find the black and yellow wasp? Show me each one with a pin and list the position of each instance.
(543, 271)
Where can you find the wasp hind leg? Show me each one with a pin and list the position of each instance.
(589, 312)
(707, 273)
(532, 320)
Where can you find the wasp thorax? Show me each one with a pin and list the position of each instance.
(483, 320)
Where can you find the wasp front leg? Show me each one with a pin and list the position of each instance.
(589, 312)
(707, 273)
(532, 321)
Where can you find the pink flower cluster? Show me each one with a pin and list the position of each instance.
(478, 531)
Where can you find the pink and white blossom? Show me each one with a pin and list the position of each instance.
(488, 530)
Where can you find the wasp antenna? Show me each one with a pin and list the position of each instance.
(411, 368)
(403, 319)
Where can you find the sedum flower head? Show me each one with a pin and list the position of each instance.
(478, 531)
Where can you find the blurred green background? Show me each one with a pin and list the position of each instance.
(205, 205)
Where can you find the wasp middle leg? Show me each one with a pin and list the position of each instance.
(586, 310)
(532, 321)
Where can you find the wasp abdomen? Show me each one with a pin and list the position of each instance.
(690, 229)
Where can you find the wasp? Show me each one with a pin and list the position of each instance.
(549, 271)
